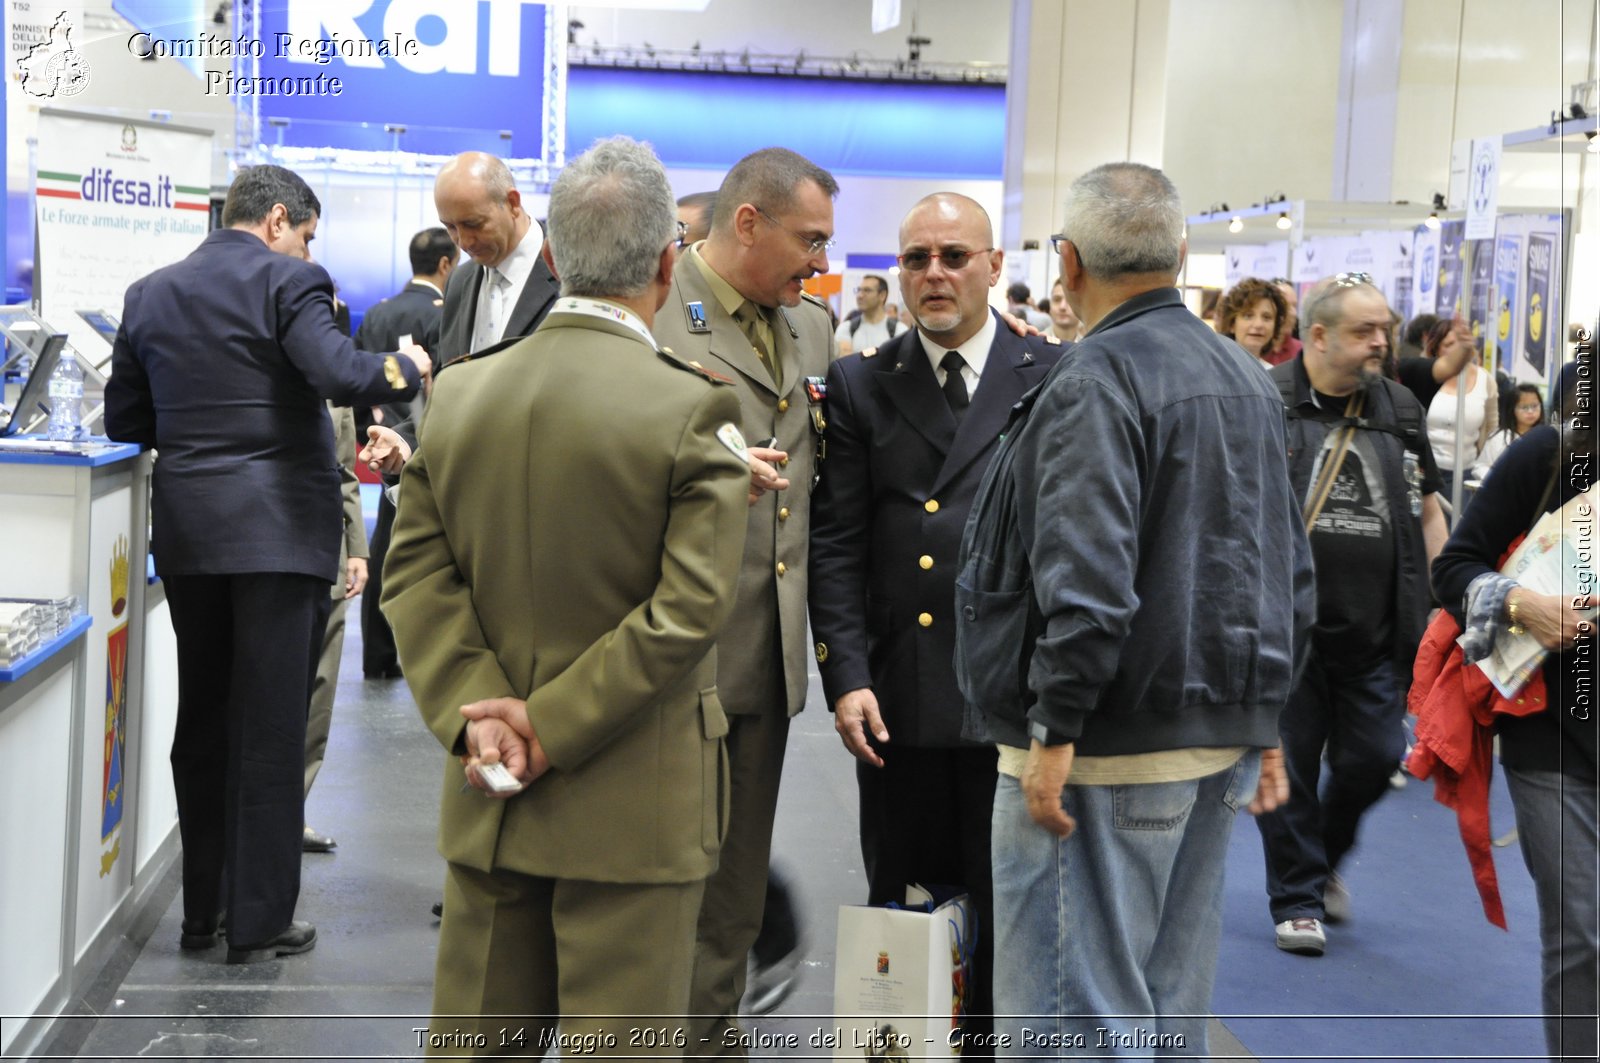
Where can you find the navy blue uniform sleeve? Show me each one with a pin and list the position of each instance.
(130, 415)
(327, 357)
(841, 518)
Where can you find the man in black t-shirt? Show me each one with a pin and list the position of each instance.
(1363, 470)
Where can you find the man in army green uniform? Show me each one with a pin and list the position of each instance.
(557, 579)
(737, 308)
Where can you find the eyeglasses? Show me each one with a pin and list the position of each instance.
(952, 257)
(683, 237)
(867, 289)
(1532, 407)
(1350, 280)
(814, 244)
(1056, 241)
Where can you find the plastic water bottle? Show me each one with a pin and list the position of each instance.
(66, 399)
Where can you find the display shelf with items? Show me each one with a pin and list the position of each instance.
(87, 819)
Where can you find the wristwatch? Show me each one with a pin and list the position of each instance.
(1046, 737)
(1511, 613)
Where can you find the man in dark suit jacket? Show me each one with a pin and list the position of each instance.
(911, 427)
(417, 310)
(222, 362)
(501, 293)
(506, 288)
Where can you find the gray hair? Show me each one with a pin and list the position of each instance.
(1323, 304)
(611, 214)
(768, 179)
(1125, 218)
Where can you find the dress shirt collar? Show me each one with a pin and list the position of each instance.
(428, 284)
(728, 296)
(975, 352)
(519, 263)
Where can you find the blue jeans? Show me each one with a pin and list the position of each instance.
(1556, 827)
(1106, 941)
(1355, 716)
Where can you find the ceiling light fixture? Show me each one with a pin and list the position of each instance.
(1236, 225)
(1283, 220)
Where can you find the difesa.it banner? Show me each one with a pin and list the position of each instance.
(115, 200)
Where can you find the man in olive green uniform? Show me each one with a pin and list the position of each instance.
(737, 308)
(558, 576)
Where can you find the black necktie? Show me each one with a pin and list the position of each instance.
(955, 388)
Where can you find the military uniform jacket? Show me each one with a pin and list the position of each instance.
(550, 548)
(887, 519)
(773, 580)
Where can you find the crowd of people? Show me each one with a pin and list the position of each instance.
(1204, 583)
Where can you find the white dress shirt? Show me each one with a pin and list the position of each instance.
(975, 352)
(502, 287)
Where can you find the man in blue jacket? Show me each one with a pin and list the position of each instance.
(1173, 577)
(223, 363)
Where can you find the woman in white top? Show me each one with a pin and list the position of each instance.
(1482, 405)
(1526, 413)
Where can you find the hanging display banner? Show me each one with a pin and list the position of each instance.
(1480, 266)
(114, 200)
(1483, 188)
(1267, 261)
(1540, 312)
(1397, 249)
(450, 73)
(1450, 302)
(1506, 304)
(1425, 270)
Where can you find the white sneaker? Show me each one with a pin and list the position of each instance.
(1302, 936)
(1335, 901)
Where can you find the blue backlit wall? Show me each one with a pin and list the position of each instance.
(870, 128)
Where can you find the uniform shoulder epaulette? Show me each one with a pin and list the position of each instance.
(815, 299)
(475, 356)
(666, 355)
(870, 352)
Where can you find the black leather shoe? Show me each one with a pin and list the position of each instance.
(299, 937)
(199, 933)
(312, 842)
(388, 672)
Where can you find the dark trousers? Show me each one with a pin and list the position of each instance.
(378, 655)
(926, 817)
(246, 643)
(1356, 715)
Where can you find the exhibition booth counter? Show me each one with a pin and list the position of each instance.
(87, 812)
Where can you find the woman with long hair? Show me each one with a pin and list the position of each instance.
(1520, 410)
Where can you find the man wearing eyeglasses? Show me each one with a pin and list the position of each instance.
(1173, 584)
(911, 428)
(738, 308)
(1364, 474)
(871, 325)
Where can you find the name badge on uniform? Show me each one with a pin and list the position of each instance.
(697, 316)
(816, 388)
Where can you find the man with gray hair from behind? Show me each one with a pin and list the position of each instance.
(559, 641)
(1171, 569)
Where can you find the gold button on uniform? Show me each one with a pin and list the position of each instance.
(782, 568)
(783, 405)
(783, 514)
(925, 561)
(783, 462)
(822, 652)
(931, 505)
(925, 619)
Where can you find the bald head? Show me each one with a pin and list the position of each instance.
(950, 206)
(948, 263)
(480, 207)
